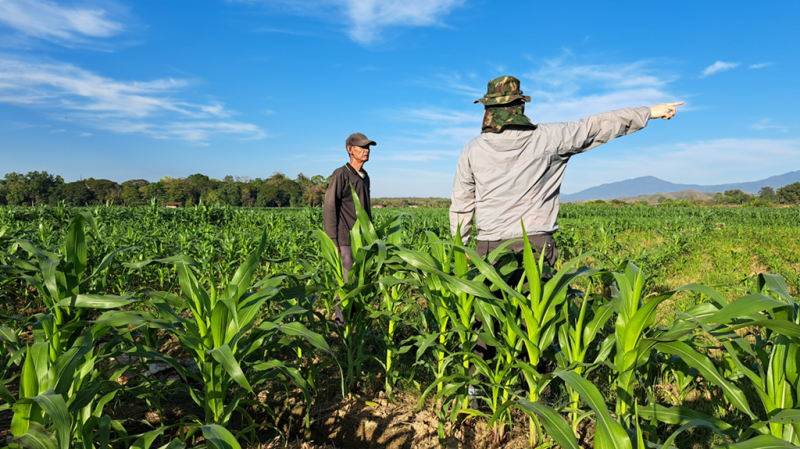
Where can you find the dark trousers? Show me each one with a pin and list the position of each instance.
(539, 243)
(347, 264)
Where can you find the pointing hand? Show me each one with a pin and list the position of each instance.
(664, 110)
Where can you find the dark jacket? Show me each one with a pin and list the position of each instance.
(339, 210)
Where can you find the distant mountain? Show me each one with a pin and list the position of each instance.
(648, 185)
(690, 195)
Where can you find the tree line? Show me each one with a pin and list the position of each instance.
(767, 196)
(42, 188)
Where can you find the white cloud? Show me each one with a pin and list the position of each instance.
(719, 66)
(761, 65)
(53, 22)
(427, 114)
(565, 92)
(85, 135)
(365, 20)
(765, 124)
(706, 162)
(453, 82)
(120, 106)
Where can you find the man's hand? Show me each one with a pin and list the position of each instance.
(664, 110)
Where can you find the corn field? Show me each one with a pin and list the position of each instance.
(660, 327)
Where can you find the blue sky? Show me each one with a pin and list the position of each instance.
(128, 90)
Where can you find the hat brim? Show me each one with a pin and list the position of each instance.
(365, 142)
(491, 101)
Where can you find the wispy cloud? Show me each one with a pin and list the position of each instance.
(720, 66)
(766, 124)
(57, 23)
(367, 19)
(284, 31)
(454, 82)
(432, 115)
(761, 65)
(85, 135)
(704, 162)
(564, 91)
(147, 107)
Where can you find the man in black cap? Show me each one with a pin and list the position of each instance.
(339, 210)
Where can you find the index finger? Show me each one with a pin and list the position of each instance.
(677, 103)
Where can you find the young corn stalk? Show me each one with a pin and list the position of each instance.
(528, 318)
(220, 334)
(771, 362)
(371, 259)
(577, 334)
(634, 320)
(62, 388)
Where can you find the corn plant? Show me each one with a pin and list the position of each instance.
(633, 326)
(449, 299)
(62, 391)
(577, 334)
(61, 401)
(529, 318)
(10, 354)
(769, 361)
(220, 334)
(611, 434)
(375, 289)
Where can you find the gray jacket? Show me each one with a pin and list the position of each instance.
(512, 175)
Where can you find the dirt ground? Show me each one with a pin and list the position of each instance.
(377, 423)
(357, 424)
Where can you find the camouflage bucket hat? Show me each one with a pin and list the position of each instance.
(502, 90)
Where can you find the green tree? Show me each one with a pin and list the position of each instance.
(229, 193)
(132, 192)
(104, 190)
(736, 196)
(154, 191)
(315, 195)
(319, 179)
(768, 194)
(73, 194)
(35, 188)
(278, 191)
(788, 194)
(248, 195)
(179, 190)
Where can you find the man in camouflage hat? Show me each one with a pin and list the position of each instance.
(512, 172)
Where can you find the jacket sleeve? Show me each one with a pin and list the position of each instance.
(330, 208)
(583, 135)
(462, 205)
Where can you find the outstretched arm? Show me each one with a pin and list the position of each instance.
(583, 135)
(462, 206)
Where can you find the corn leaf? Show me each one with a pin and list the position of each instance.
(225, 357)
(219, 437)
(703, 364)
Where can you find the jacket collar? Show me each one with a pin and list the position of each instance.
(353, 170)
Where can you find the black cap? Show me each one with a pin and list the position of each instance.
(358, 140)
